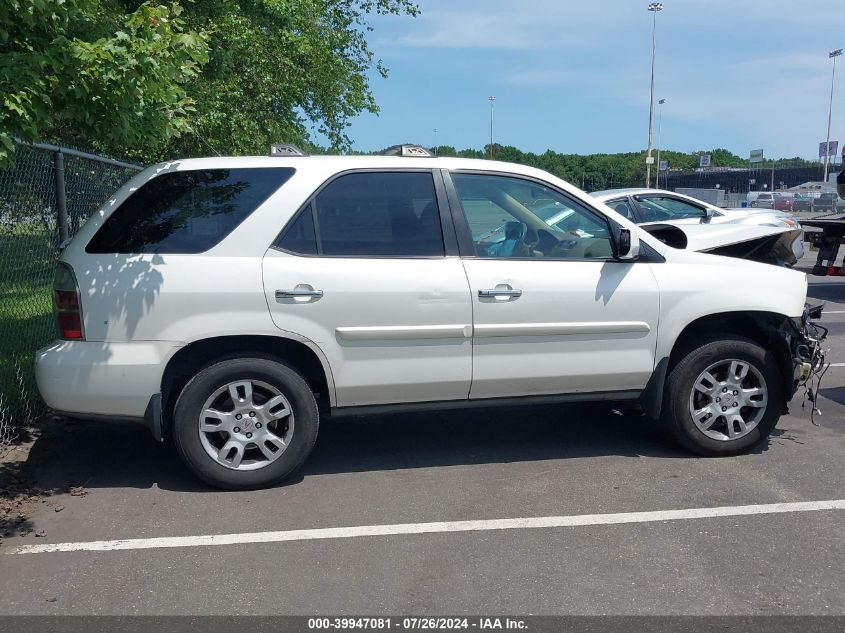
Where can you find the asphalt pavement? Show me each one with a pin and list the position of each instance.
(436, 471)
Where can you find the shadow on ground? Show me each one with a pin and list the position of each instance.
(826, 290)
(98, 455)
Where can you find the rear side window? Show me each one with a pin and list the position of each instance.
(299, 237)
(186, 211)
(370, 214)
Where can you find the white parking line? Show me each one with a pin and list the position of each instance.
(837, 364)
(428, 528)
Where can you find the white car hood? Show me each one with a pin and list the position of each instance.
(705, 237)
(735, 214)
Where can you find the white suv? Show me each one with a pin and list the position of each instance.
(229, 302)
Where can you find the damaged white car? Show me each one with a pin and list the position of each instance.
(682, 222)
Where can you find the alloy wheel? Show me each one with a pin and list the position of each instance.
(246, 425)
(728, 399)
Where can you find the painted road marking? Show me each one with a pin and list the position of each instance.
(428, 528)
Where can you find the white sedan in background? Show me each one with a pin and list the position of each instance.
(706, 228)
(645, 206)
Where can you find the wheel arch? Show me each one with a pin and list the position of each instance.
(192, 357)
(761, 327)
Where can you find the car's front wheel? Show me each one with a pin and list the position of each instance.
(245, 423)
(723, 397)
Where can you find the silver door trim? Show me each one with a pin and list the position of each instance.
(404, 332)
(561, 329)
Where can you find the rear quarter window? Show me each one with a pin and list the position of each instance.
(185, 212)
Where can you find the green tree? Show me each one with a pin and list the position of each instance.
(279, 71)
(95, 73)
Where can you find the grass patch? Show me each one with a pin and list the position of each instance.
(27, 263)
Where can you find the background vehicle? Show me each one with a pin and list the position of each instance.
(656, 205)
(228, 303)
(801, 202)
(782, 202)
(653, 206)
(826, 201)
(763, 199)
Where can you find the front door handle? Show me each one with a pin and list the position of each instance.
(502, 290)
(301, 291)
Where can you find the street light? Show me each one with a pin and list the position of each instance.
(832, 55)
(659, 134)
(435, 141)
(654, 7)
(491, 99)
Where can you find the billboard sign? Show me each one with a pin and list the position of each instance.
(756, 156)
(704, 160)
(832, 149)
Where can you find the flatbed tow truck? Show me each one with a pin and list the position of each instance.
(832, 231)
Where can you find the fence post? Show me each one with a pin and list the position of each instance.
(61, 195)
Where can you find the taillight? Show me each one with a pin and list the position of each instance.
(67, 305)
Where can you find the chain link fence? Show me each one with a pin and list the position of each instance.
(45, 198)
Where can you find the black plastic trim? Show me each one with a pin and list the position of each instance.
(442, 405)
(651, 399)
(153, 419)
(462, 232)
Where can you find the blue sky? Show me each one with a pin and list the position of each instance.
(573, 76)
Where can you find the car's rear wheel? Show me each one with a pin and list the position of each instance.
(245, 423)
(723, 397)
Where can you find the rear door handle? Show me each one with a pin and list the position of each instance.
(501, 290)
(300, 291)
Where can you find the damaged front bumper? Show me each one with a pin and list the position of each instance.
(805, 344)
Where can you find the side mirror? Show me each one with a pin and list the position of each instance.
(627, 245)
(840, 183)
(708, 213)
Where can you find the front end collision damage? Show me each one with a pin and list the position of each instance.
(795, 342)
(775, 249)
(805, 340)
(766, 245)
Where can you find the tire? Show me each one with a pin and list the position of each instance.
(277, 409)
(753, 205)
(681, 397)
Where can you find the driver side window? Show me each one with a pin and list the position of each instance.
(515, 218)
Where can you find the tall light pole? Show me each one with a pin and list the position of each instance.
(655, 8)
(659, 135)
(435, 141)
(491, 99)
(832, 55)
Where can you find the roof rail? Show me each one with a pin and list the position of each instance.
(285, 149)
(407, 150)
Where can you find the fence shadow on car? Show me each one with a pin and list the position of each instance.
(99, 455)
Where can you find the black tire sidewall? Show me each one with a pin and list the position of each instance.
(676, 414)
(186, 436)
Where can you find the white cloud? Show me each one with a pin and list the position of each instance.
(496, 24)
(552, 24)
